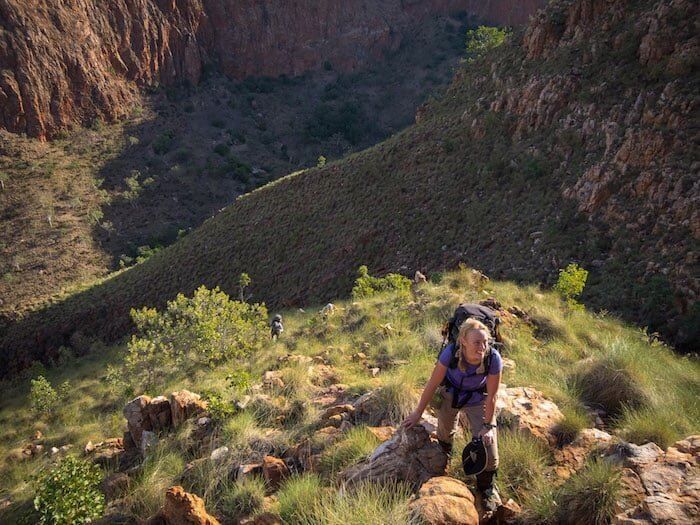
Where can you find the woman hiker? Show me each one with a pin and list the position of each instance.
(465, 385)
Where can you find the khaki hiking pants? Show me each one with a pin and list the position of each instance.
(446, 416)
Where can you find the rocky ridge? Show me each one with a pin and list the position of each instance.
(64, 64)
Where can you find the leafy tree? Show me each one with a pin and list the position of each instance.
(366, 285)
(206, 329)
(244, 281)
(482, 39)
(69, 494)
(43, 398)
(570, 284)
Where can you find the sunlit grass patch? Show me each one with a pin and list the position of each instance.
(357, 444)
(367, 503)
(297, 497)
(522, 464)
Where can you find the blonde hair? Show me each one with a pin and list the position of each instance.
(470, 325)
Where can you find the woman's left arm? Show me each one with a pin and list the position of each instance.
(493, 382)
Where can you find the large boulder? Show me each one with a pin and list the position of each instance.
(410, 455)
(182, 508)
(184, 405)
(136, 421)
(527, 410)
(158, 413)
(670, 482)
(444, 501)
(275, 471)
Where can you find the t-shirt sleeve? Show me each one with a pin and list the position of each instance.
(496, 364)
(446, 355)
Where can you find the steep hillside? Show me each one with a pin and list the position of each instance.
(572, 142)
(318, 401)
(67, 63)
(77, 207)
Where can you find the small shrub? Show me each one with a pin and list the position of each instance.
(222, 149)
(243, 498)
(43, 398)
(218, 123)
(482, 39)
(570, 284)
(590, 495)
(69, 493)
(219, 408)
(321, 162)
(366, 285)
(298, 496)
(163, 143)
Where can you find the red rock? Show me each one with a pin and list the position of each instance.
(183, 508)
(184, 405)
(274, 471)
(444, 501)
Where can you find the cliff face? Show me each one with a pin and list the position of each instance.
(66, 62)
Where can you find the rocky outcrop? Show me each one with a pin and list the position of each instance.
(411, 456)
(444, 501)
(145, 417)
(63, 63)
(527, 410)
(182, 508)
(669, 482)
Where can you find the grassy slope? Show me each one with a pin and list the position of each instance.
(434, 194)
(547, 358)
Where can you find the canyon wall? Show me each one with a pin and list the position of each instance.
(71, 61)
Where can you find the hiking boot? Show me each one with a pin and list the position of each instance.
(485, 485)
(446, 447)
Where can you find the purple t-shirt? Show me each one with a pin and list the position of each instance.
(469, 379)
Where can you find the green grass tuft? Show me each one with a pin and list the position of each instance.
(589, 496)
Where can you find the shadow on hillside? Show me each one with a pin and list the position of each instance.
(195, 149)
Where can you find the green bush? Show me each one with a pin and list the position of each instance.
(366, 285)
(69, 494)
(589, 496)
(43, 398)
(206, 329)
(482, 39)
(163, 143)
(570, 284)
(222, 149)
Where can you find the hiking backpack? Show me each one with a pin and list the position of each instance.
(450, 332)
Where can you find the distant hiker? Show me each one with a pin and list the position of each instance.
(276, 327)
(467, 376)
(327, 311)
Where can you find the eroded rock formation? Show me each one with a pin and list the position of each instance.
(68, 62)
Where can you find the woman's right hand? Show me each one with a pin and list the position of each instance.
(411, 420)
